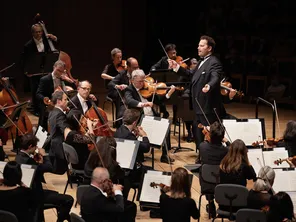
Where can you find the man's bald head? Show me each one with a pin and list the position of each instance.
(99, 175)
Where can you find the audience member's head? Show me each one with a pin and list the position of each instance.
(265, 179)
(180, 186)
(12, 174)
(237, 154)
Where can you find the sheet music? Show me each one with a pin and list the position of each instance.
(253, 156)
(249, 131)
(293, 198)
(150, 194)
(276, 154)
(156, 129)
(284, 180)
(41, 135)
(126, 152)
(27, 170)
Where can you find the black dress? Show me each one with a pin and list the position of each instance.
(180, 209)
(258, 200)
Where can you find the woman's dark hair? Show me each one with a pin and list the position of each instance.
(180, 186)
(290, 132)
(107, 149)
(281, 207)
(12, 174)
(237, 154)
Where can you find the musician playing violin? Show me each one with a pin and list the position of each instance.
(134, 99)
(112, 69)
(36, 44)
(48, 84)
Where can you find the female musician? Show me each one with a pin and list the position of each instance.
(177, 204)
(259, 195)
(18, 198)
(112, 69)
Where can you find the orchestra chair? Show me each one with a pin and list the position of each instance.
(72, 174)
(250, 215)
(109, 100)
(210, 174)
(79, 193)
(230, 195)
(75, 218)
(6, 216)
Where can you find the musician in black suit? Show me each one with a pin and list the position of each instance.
(37, 44)
(135, 100)
(30, 154)
(119, 84)
(97, 204)
(205, 85)
(47, 86)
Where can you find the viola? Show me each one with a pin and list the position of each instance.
(269, 141)
(121, 66)
(205, 132)
(289, 160)
(162, 186)
(226, 87)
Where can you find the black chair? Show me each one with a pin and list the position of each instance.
(6, 216)
(75, 218)
(210, 174)
(250, 215)
(230, 196)
(135, 187)
(73, 175)
(79, 193)
(109, 100)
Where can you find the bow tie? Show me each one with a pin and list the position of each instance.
(203, 58)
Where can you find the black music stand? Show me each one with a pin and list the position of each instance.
(14, 117)
(40, 63)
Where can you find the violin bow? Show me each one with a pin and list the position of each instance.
(277, 117)
(10, 120)
(222, 124)
(163, 49)
(265, 175)
(2, 70)
(121, 98)
(202, 111)
(69, 99)
(154, 91)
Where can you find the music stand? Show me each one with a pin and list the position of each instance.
(14, 117)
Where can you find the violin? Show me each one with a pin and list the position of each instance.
(121, 66)
(205, 132)
(226, 87)
(269, 142)
(162, 186)
(181, 62)
(38, 157)
(289, 160)
(155, 88)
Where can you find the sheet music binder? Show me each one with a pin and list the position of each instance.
(248, 130)
(157, 129)
(145, 183)
(27, 170)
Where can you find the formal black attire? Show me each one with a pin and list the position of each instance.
(111, 70)
(30, 50)
(161, 64)
(132, 99)
(20, 202)
(122, 78)
(57, 123)
(208, 71)
(258, 200)
(177, 209)
(96, 207)
(46, 89)
(290, 145)
(73, 115)
(63, 202)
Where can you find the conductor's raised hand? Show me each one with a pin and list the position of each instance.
(172, 64)
(206, 88)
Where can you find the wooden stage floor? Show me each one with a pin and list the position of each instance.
(240, 110)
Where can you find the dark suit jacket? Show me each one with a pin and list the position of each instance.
(209, 73)
(124, 133)
(119, 79)
(95, 207)
(161, 64)
(57, 123)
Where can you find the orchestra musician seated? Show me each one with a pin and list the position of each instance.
(134, 99)
(212, 152)
(118, 85)
(259, 196)
(16, 197)
(176, 204)
(103, 200)
(32, 155)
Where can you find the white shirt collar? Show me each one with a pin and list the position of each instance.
(60, 109)
(105, 194)
(53, 76)
(29, 155)
(82, 100)
(38, 41)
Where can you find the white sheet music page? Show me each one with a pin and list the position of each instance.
(255, 157)
(152, 194)
(41, 136)
(284, 180)
(156, 129)
(249, 131)
(126, 152)
(276, 154)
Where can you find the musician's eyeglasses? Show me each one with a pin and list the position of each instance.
(85, 88)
